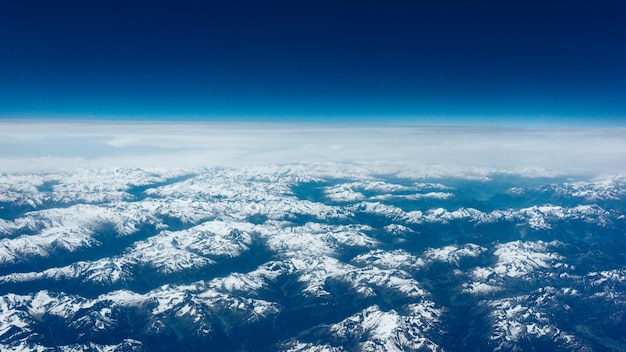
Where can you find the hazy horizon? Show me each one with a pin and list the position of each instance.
(52, 145)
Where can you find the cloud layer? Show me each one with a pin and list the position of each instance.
(39, 146)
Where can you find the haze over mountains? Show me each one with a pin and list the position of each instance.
(227, 237)
(44, 145)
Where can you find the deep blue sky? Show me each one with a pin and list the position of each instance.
(405, 61)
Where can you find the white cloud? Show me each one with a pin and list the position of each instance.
(35, 146)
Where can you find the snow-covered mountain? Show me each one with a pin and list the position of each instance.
(318, 257)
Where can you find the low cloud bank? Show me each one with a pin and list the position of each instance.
(41, 146)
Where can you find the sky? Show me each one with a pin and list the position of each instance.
(407, 62)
